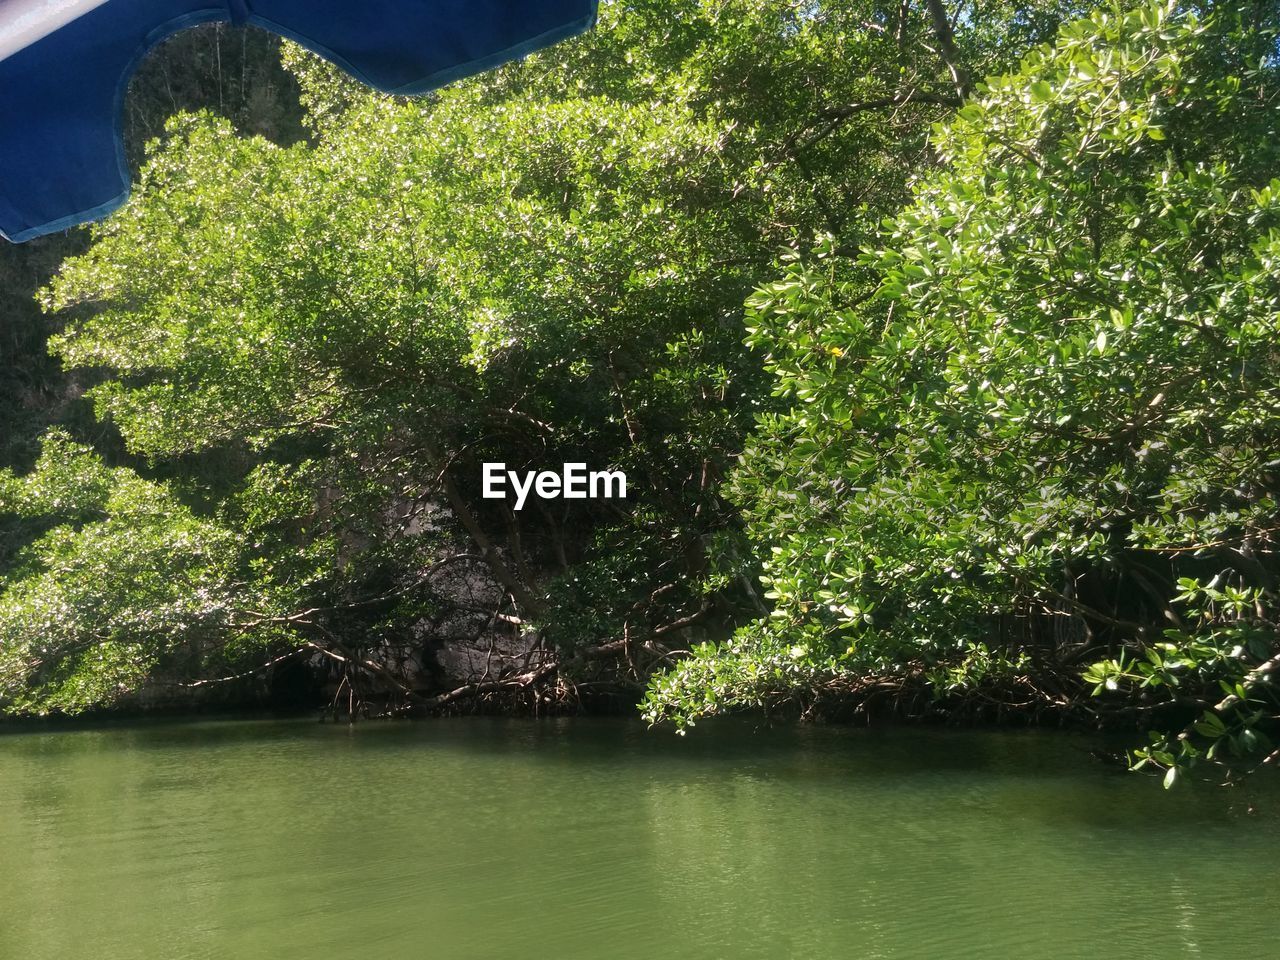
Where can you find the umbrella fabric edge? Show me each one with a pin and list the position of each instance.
(159, 34)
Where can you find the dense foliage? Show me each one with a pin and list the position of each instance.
(321, 343)
(996, 424)
(123, 579)
(1037, 426)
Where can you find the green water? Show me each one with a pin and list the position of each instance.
(594, 839)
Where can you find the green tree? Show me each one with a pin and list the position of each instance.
(542, 265)
(119, 580)
(1036, 427)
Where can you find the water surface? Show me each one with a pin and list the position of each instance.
(596, 839)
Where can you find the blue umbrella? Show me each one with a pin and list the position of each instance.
(65, 66)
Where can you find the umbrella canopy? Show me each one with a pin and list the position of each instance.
(65, 67)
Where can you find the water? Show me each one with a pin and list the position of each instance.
(596, 839)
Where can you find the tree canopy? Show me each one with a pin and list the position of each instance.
(1033, 429)
(997, 419)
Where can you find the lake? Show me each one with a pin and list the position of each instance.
(599, 839)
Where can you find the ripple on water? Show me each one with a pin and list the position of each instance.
(478, 838)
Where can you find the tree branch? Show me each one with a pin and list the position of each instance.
(947, 47)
